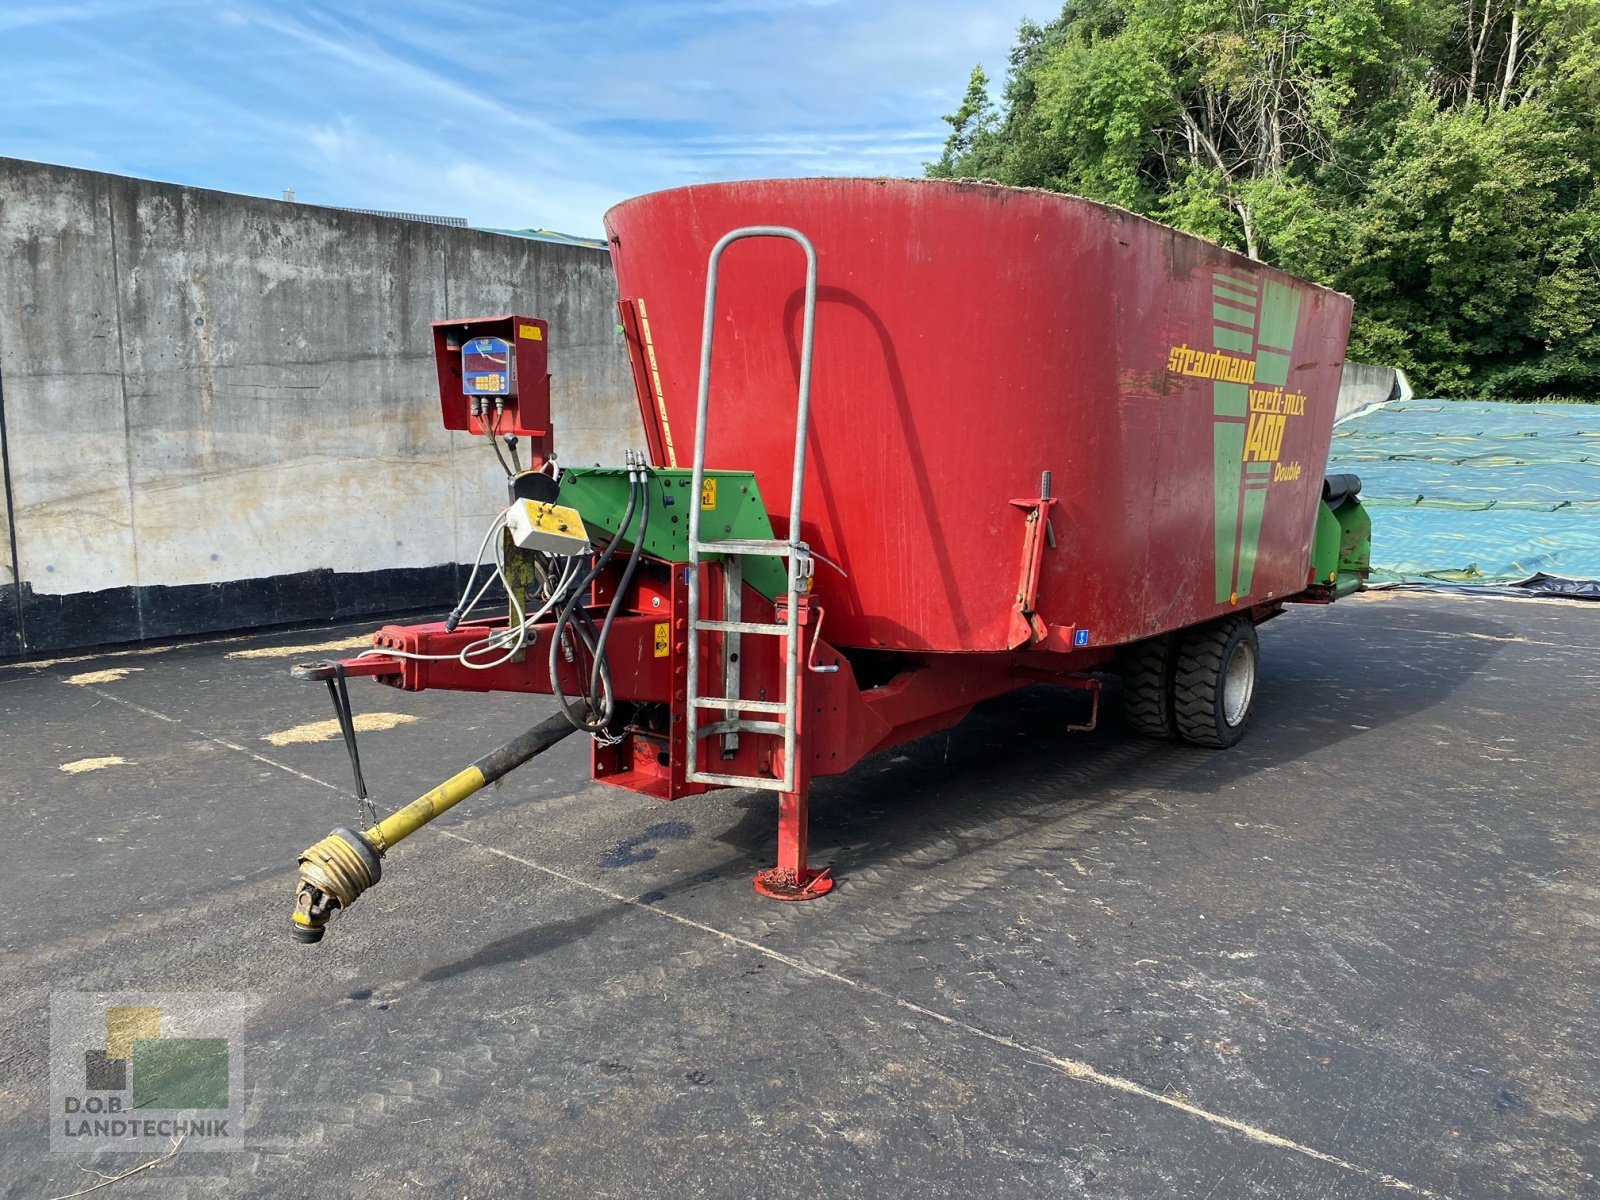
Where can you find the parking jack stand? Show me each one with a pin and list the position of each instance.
(793, 878)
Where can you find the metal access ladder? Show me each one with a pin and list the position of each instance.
(796, 554)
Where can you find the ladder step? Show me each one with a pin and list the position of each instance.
(771, 706)
(770, 547)
(747, 781)
(739, 627)
(773, 727)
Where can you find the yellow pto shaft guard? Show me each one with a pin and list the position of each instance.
(335, 871)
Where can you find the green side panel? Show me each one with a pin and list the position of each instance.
(1272, 368)
(1255, 501)
(1244, 285)
(1228, 448)
(1325, 545)
(1233, 339)
(1355, 541)
(1341, 548)
(600, 494)
(1280, 312)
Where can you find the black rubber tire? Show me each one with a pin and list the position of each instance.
(1198, 691)
(1147, 670)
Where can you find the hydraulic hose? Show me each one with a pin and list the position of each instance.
(595, 720)
(622, 586)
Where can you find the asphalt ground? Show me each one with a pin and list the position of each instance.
(1355, 956)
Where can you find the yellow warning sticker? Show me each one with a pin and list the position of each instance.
(663, 638)
(531, 332)
(708, 493)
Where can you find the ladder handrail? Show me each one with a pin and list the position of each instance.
(707, 334)
(796, 489)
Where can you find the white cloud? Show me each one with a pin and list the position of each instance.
(568, 107)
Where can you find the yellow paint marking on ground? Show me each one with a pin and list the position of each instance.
(355, 643)
(79, 766)
(109, 675)
(326, 731)
(41, 663)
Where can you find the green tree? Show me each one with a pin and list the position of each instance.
(1470, 258)
(1436, 158)
(972, 127)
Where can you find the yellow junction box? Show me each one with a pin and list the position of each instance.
(552, 528)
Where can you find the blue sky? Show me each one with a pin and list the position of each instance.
(509, 114)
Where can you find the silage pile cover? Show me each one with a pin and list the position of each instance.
(1477, 492)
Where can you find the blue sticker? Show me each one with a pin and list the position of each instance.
(1080, 637)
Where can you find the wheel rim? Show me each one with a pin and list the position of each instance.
(1238, 684)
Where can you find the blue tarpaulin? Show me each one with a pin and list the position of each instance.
(1477, 492)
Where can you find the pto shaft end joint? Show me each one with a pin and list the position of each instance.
(332, 874)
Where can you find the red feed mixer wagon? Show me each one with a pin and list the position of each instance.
(909, 445)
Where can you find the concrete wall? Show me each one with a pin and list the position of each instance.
(1364, 386)
(221, 412)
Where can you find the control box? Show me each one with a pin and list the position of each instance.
(494, 376)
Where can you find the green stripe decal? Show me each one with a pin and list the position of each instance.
(1272, 368)
(1280, 312)
(1233, 339)
(1239, 316)
(1255, 501)
(1222, 293)
(1267, 316)
(1228, 452)
(1231, 400)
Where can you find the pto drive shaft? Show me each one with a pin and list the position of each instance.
(345, 863)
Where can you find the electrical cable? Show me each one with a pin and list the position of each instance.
(462, 608)
(597, 702)
(513, 636)
(573, 620)
(494, 438)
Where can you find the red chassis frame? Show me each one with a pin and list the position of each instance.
(839, 723)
